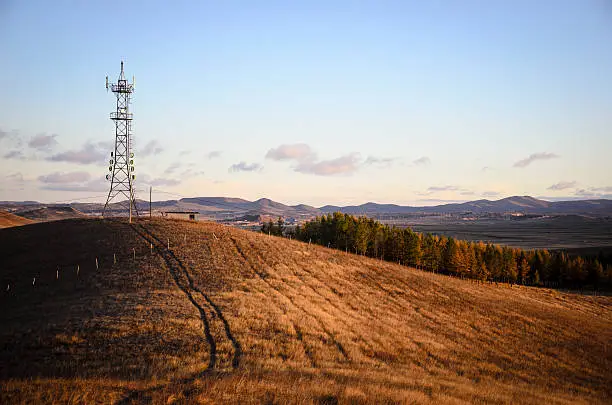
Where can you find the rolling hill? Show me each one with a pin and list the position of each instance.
(8, 220)
(51, 213)
(202, 313)
(524, 204)
(224, 207)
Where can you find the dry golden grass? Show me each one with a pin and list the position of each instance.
(8, 220)
(232, 316)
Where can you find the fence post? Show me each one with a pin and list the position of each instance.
(134, 251)
(33, 281)
(78, 269)
(97, 268)
(114, 258)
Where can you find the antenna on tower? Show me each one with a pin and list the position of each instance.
(121, 164)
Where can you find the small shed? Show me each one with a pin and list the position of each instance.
(188, 215)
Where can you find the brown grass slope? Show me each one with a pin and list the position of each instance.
(8, 220)
(52, 214)
(226, 315)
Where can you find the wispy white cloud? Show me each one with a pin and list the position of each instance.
(159, 181)
(13, 181)
(14, 154)
(594, 192)
(72, 181)
(563, 185)
(88, 153)
(172, 168)
(343, 165)
(43, 142)
(14, 141)
(14, 177)
(96, 185)
(422, 161)
(307, 162)
(192, 173)
(69, 177)
(379, 161)
(10, 138)
(245, 167)
(607, 189)
(535, 156)
(152, 147)
(296, 151)
(435, 189)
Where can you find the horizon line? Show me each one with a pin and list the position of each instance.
(442, 201)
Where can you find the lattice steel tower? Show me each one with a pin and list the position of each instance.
(121, 163)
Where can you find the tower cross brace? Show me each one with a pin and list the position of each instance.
(121, 163)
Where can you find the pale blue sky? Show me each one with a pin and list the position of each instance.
(311, 102)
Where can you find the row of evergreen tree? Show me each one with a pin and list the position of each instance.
(483, 261)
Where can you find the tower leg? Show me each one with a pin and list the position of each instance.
(122, 159)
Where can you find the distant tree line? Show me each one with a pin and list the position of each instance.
(478, 260)
(274, 228)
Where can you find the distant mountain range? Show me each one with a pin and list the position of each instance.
(518, 204)
(224, 207)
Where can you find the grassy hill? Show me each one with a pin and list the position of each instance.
(8, 220)
(226, 315)
(51, 213)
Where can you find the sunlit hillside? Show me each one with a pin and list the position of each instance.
(8, 220)
(170, 311)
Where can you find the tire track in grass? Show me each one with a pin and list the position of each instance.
(375, 285)
(332, 337)
(396, 304)
(142, 395)
(273, 301)
(298, 331)
(344, 312)
(176, 276)
(299, 335)
(228, 332)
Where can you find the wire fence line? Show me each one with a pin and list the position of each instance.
(58, 272)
